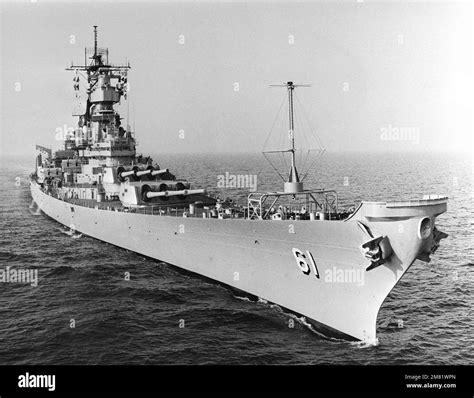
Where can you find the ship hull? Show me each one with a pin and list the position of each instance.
(313, 268)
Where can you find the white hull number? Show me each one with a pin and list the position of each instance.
(302, 261)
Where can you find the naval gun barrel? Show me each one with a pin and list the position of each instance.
(157, 172)
(143, 172)
(135, 173)
(183, 192)
(124, 174)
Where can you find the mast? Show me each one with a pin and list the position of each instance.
(106, 84)
(95, 41)
(293, 185)
(293, 177)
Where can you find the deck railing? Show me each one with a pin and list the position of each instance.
(146, 210)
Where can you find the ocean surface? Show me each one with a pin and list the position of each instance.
(428, 318)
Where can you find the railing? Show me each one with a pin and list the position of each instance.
(82, 185)
(146, 210)
(263, 206)
(256, 211)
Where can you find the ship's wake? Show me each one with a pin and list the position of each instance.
(244, 299)
(34, 209)
(36, 212)
(298, 318)
(303, 322)
(365, 343)
(70, 232)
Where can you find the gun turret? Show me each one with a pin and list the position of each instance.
(122, 173)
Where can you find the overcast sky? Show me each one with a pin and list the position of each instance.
(374, 68)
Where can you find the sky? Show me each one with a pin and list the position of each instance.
(385, 76)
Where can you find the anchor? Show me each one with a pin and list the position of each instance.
(376, 250)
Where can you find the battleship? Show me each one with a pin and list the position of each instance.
(280, 245)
